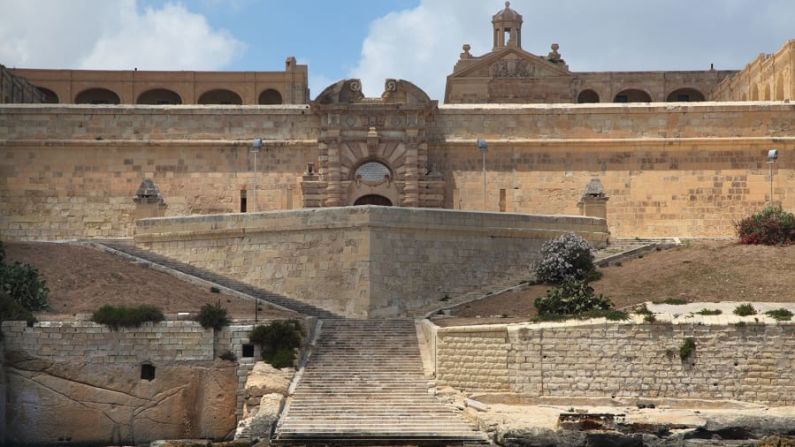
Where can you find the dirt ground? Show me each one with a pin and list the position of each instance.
(704, 271)
(82, 279)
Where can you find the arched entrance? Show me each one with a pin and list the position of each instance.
(372, 199)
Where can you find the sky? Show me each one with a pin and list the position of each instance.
(417, 40)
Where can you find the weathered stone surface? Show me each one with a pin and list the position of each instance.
(265, 379)
(109, 403)
(260, 425)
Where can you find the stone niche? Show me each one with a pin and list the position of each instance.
(148, 201)
(373, 150)
(367, 261)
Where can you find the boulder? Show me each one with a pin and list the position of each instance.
(265, 379)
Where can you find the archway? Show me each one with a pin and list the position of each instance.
(220, 96)
(686, 95)
(97, 96)
(588, 97)
(372, 199)
(270, 97)
(159, 96)
(754, 92)
(50, 97)
(632, 95)
(767, 93)
(780, 89)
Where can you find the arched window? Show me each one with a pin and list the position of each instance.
(97, 96)
(686, 95)
(159, 96)
(372, 172)
(588, 97)
(270, 97)
(49, 96)
(220, 96)
(372, 199)
(632, 95)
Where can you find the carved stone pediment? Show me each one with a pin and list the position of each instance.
(513, 64)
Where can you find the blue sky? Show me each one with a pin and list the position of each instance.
(417, 40)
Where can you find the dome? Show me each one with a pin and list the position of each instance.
(507, 15)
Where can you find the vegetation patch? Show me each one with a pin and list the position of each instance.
(673, 301)
(213, 316)
(771, 226)
(565, 258)
(229, 356)
(687, 349)
(611, 315)
(571, 298)
(116, 317)
(22, 283)
(708, 312)
(745, 310)
(278, 341)
(780, 314)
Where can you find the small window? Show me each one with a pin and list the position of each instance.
(503, 201)
(147, 371)
(248, 350)
(373, 172)
(622, 98)
(243, 201)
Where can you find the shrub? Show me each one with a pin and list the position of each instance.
(22, 283)
(2, 254)
(745, 310)
(687, 349)
(213, 316)
(229, 356)
(568, 256)
(710, 312)
(10, 310)
(780, 314)
(278, 341)
(672, 301)
(573, 297)
(649, 318)
(771, 226)
(123, 316)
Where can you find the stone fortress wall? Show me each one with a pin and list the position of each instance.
(769, 77)
(95, 373)
(751, 363)
(363, 261)
(71, 171)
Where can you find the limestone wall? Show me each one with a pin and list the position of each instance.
(769, 77)
(752, 363)
(364, 261)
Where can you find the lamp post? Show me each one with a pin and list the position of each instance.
(256, 145)
(483, 147)
(772, 156)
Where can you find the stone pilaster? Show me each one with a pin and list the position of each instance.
(334, 193)
(411, 192)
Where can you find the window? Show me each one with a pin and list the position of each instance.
(147, 372)
(243, 201)
(373, 172)
(248, 350)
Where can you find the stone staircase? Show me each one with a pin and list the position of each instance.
(364, 385)
(238, 286)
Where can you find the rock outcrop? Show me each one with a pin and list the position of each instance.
(266, 389)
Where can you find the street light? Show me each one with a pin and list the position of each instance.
(772, 156)
(256, 145)
(483, 147)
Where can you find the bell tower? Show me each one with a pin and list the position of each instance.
(507, 28)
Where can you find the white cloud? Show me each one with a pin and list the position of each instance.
(110, 35)
(422, 44)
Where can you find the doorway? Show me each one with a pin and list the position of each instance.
(373, 199)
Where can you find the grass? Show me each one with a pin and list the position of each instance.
(687, 349)
(745, 310)
(673, 301)
(610, 315)
(780, 314)
(709, 312)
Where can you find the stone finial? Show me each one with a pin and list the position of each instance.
(466, 54)
(554, 55)
(594, 189)
(148, 193)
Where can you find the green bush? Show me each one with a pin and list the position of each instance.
(2, 254)
(710, 312)
(566, 257)
(123, 316)
(572, 297)
(213, 316)
(771, 226)
(10, 310)
(687, 349)
(278, 341)
(22, 283)
(229, 356)
(745, 310)
(780, 314)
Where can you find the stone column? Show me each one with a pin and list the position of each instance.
(411, 190)
(334, 193)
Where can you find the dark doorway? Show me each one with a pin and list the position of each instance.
(373, 199)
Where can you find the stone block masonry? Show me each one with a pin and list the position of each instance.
(364, 261)
(751, 363)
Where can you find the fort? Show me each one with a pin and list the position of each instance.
(358, 215)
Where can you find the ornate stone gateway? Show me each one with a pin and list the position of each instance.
(373, 150)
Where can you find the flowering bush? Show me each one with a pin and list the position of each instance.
(771, 226)
(566, 257)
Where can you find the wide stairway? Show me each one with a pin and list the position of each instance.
(364, 385)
